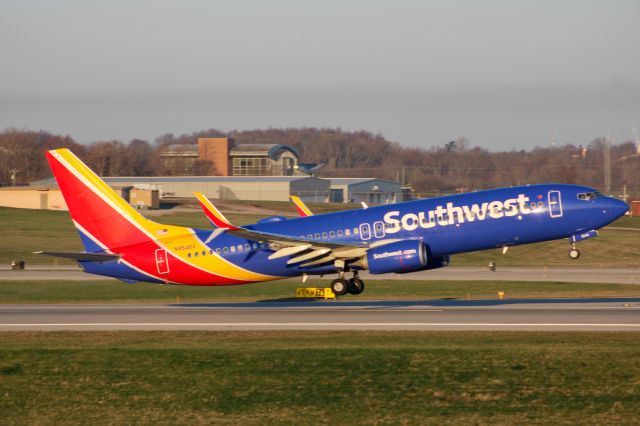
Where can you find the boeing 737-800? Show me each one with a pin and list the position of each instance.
(395, 238)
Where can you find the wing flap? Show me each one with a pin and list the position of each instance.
(324, 259)
(289, 251)
(308, 256)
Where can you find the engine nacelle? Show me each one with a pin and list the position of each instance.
(403, 256)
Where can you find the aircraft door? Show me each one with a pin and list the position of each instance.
(162, 261)
(365, 231)
(378, 229)
(555, 204)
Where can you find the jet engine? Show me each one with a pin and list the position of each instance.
(401, 256)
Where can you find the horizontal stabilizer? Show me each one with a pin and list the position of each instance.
(82, 257)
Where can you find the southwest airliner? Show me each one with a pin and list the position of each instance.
(404, 237)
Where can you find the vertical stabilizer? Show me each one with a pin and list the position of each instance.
(104, 219)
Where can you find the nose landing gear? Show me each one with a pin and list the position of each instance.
(574, 253)
(341, 286)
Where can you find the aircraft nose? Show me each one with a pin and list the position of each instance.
(616, 207)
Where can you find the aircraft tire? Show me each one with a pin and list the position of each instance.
(339, 287)
(574, 254)
(355, 286)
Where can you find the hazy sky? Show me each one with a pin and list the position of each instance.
(505, 74)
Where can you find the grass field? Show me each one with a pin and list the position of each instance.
(248, 378)
(116, 291)
(26, 231)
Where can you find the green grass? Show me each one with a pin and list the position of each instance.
(612, 248)
(627, 222)
(26, 231)
(115, 291)
(342, 378)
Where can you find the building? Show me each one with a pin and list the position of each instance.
(263, 160)
(261, 188)
(369, 190)
(32, 198)
(222, 157)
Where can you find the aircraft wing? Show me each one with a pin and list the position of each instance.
(310, 251)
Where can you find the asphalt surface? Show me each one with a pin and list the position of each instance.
(594, 275)
(619, 314)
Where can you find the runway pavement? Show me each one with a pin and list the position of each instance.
(620, 314)
(585, 275)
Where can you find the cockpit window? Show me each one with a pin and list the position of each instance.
(587, 196)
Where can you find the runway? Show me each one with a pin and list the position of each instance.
(454, 273)
(620, 314)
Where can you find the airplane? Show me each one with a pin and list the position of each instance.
(395, 238)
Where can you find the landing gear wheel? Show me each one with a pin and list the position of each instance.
(574, 253)
(339, 286)
(355, 286)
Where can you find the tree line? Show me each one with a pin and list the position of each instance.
(455, 166)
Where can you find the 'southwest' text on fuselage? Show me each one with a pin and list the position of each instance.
(451, 214)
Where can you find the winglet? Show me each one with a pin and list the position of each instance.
(303, 210)
(213, 214)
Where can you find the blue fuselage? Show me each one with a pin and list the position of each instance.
(446, 225)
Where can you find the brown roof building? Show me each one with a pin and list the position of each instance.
(221, 157)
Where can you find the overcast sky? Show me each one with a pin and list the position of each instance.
(504, 74)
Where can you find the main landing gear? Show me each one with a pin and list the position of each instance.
(341, 286)
(574, 253)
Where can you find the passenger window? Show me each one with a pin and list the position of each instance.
(226, 249)
(239, 247)
(310, 236)
(195, 254)
(204, 253)
(332, 234)
(210, 251)
(218, 250)
(324, 235)
(356, 231)
(188, 254)
(339, 232)
(233, 249)
(347, 232)
(255, 246)
(317, 236)
(247, 247)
